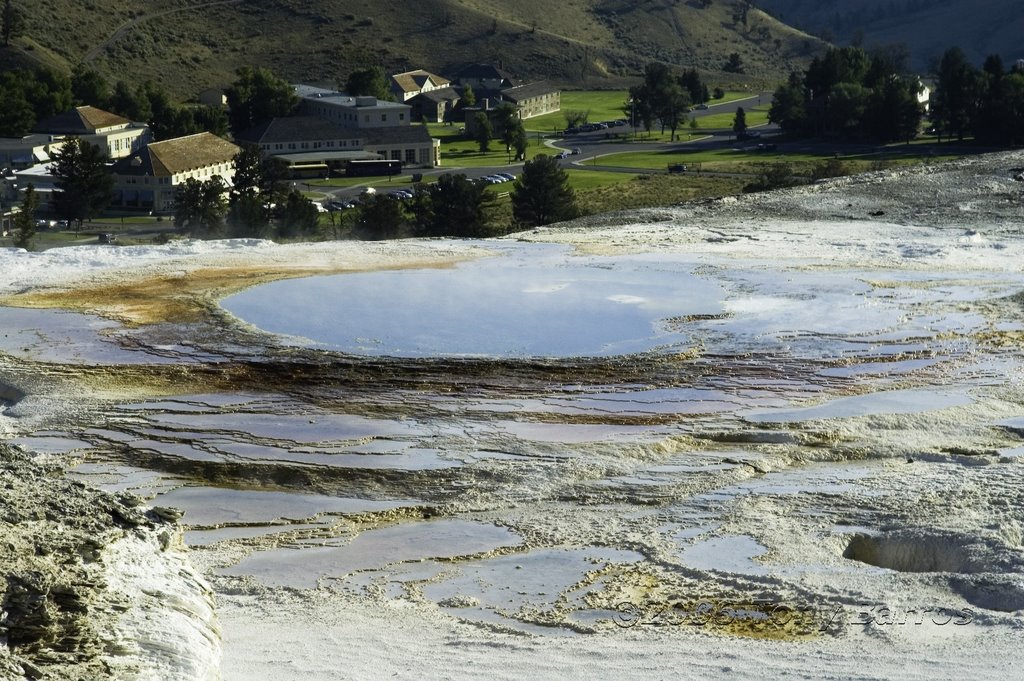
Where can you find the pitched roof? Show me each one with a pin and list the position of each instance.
(82, 120)
(296, 128)
(178, 155)
(444, 94)
(481, 72)
(528, 91)
(413, 81)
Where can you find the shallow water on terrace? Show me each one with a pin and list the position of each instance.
(55, 336)
(549, 304)
(509, 494)
(373, 549)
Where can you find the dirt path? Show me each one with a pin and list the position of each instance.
(132, 23)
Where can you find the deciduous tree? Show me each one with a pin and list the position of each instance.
(201, 207)
(368, 82)
(257, 96)
(574, 118)
(482, 131)
(88, 87)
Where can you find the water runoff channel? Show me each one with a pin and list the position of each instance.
(549, 442)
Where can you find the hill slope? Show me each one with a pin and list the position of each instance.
(190, 44)
(927, 27)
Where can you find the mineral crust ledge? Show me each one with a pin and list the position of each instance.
(95, 585)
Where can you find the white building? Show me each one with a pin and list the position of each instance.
(149, 179)
(351, 112)
(407, 85)
(27, 151)
(313, 145)
(117, 136)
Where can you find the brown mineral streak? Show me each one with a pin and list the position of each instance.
(180, 297)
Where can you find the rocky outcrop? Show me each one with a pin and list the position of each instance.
(94, 585)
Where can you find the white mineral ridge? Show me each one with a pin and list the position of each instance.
(169, 631)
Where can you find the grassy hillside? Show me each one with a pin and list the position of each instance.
(927, 27)
(188, 45)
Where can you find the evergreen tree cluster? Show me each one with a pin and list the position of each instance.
(456, 206)
(30, 96)
(987, 103)
(851, 94)
(260, 203)
(85, 186)
(257, 96)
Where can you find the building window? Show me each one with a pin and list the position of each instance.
(396, 154)
(410, 155)
(401, 116)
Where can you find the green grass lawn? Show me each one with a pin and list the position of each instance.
(757, 115)
(457, 151)
(600, 105)
(591, 179)
(649, 190)
(750, 160)
(607, 105)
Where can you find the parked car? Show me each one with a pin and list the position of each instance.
(677, 168)
(107, 238)
(576, 151)
(564, 154)
(509, 177)
(701, 107)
